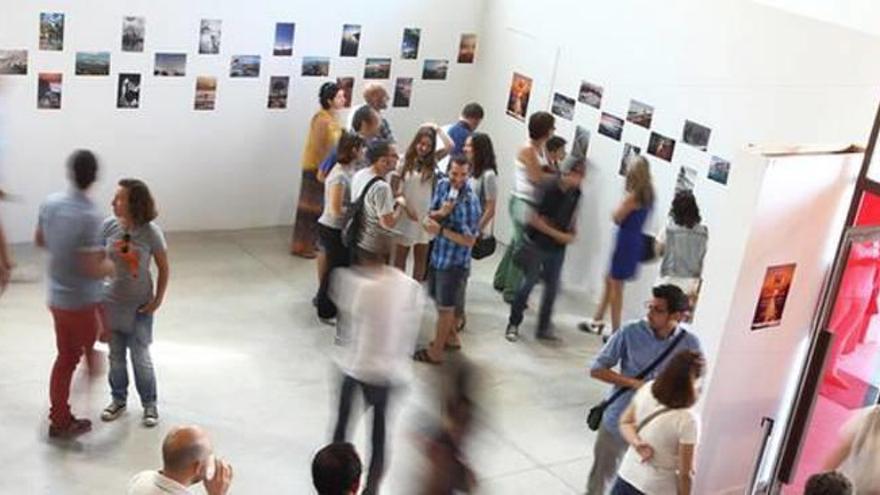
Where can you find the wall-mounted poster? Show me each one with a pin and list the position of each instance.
(409, 47)
(133, 33)
(611, 126)
(13, 62)
(590, 94)
(377, 68)
(93, 63)
(563, 106)
(170, 65)
(209, 37)
(278, 89)
(245, 66)
(316, 66)
(640, 114)
(346, 84)
(435, 70)
(52, 32)
(629, 152)
(518, 97)
(467, 48)
(284, 32)
(351, 40)
(774, 293)
(128, 92)
(49, 90)
(696, 135)
(402, 91)
(719, 170)
(687, 178)
(206, 92)
(661, 146)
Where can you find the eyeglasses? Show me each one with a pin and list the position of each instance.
(653, 308)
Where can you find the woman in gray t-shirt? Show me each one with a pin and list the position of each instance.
(132, 241)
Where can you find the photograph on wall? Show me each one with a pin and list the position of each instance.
(93, 63)
(518, 97)
(467, 48)
(128, 92)
(696, 135)
(686, 180)
(170, 65)
(52, 32)
(719, 170)
(590, 94)
(661, 146)
(351, 40)
(402, 92)
(245, 66)
(206, 92)
(49, 90)
(629, 151)
(209, 37)
(435, 69)
(409, 47)
(563, 106)
(133, 33)
(284, 32)
(640, 114)
(580, 145)
(316, 66)
(278, 89)
(611, 126)
(774, 293)
(13, 62)
(346, 84)
(377, 68)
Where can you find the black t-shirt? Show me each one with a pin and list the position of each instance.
(558, 208)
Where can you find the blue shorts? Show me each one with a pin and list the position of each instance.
(447, 287)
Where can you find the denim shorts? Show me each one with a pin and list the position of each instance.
(447, 286)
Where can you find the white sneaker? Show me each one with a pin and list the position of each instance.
(151, 416)
(512, 333)
(113, 411)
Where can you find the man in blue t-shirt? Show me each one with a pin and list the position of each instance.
(471, 116)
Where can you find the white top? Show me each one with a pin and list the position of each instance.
(155, 483)
(862, 466)
(417, 193)
(664, 433)
(523, 188)
(378, 202)
(339, 174)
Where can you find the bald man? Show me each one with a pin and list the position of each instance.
(187, 458)
(376, 97)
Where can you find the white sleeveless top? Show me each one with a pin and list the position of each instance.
(523, 188)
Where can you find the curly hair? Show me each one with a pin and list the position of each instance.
(685, 211)
(141, 206)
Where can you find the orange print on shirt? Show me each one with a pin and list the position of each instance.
(129, 255)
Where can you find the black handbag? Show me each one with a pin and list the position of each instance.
(649, 248)
(485, 246)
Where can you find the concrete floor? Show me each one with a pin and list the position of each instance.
(239, 351)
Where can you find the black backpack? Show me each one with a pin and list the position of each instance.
(353, 222)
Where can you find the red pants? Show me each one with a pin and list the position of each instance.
(75, 334)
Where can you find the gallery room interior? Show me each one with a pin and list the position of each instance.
(764, 113)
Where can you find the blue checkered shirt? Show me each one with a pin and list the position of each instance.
(464, 219)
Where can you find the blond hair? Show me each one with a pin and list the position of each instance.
(638, 180)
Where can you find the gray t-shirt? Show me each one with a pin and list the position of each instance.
(378, 202)
(485, 189)
(133, 284)
(685, 250)
(340, 174)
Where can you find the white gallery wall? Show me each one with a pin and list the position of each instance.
(239, 165)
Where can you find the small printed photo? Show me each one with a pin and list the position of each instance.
(209, 37)
(611, 126)
(170, 65)
(661, 146)
(402, 91)
(409, 47)
(133, 33)
(467, 48)
(284, 32)
(316, 66)
(49, 90)
(563, 106)
(346, 84)
(518, 97)
(435, 69)
(351, 40)
(13, 62)
(629, 152)
(278, 89)
(128, 94)
(696, 135)
(52, 32)
(773, 296)
(377, 68)
(640, 114)
(686, 180)
(93, 63)
(719, 170)
(206, 92)
(245, 66)
(590, 94)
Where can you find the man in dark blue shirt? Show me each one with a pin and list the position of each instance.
(471, 116)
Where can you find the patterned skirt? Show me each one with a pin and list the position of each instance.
(308, 210)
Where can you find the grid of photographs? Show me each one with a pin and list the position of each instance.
(284, 32)
(278, 89)
(563, 106)
(518, 96)
(128, 91)
(13, 62)
(133, 33)
(351, 40)
(409, 47)
(402, 92)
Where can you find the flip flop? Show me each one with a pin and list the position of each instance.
(422, 356)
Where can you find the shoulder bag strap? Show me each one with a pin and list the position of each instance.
(645, 372)
(363, 195)
(651, 417)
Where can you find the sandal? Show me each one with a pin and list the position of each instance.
(422, 356)
(461, 325)
(592, 326)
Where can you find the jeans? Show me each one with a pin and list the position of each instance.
(375, 396)
(137, 341)
(547, 269)
(621, 487)
(75, 334)
(607, 454)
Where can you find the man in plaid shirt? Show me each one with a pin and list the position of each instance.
(454, 221)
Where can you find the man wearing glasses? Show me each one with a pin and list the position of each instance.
(631, 350)
(379, 214)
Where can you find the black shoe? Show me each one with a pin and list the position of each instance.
(548, 338)
(512, 333)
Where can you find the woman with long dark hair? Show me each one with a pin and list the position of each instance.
(480, 153)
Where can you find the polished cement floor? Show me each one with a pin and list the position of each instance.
(239, 351)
